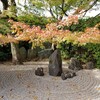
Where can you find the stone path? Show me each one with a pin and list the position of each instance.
(20, 83)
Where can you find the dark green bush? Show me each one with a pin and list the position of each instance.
(86, 53)
(94, 51)
(89, 52)
(3, 56)
(65, 50)
(5, 52)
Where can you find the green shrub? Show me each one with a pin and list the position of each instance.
(35, 20)
(85, 53)
(66, 49)
(84, 23)
(4, 26)
(94, 50)
(5, 52)
(3, 56)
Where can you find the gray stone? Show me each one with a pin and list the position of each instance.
(39, 71)
(63, 76)
(90, 65)
(75, 64)
(55, 63)
(23, 53)
(47, 45)
(45, 53)
(32, 53)
(68, 74)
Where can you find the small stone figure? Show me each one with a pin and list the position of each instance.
(75, 64)
(68, 74)
(39, 71)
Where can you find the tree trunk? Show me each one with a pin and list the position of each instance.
(5, 4)
(15, 54)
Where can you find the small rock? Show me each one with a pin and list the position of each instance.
(63, 76)
(68, 74)
(75, 64)
(32, 53)
(23, 53)
(45, 53)
(39, 71)
(89, 65)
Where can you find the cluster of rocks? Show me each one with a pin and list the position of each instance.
(68, 74)
(34, 53)
(55, 66)
(73, 66)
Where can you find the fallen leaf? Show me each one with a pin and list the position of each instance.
(98, 88)
(35, 98)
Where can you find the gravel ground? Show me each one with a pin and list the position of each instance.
(20, 83)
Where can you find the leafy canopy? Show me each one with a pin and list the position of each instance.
(53, 33)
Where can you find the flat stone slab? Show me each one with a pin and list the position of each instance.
(19, 82)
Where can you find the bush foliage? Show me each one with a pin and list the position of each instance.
(4, 26)
(84, 23)
(85, 53)
(5, 52)
(31, 19)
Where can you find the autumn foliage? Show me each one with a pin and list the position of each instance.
(53, 33)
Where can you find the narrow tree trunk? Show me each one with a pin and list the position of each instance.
(15, 54)
(54, 46)
(5, 4)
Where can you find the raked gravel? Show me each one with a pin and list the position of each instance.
(18, 82)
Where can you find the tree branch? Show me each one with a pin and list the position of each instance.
(97, 15)
(90, 7)
(51, 12)
(5, 4)
(63, 11)
(62, 8)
